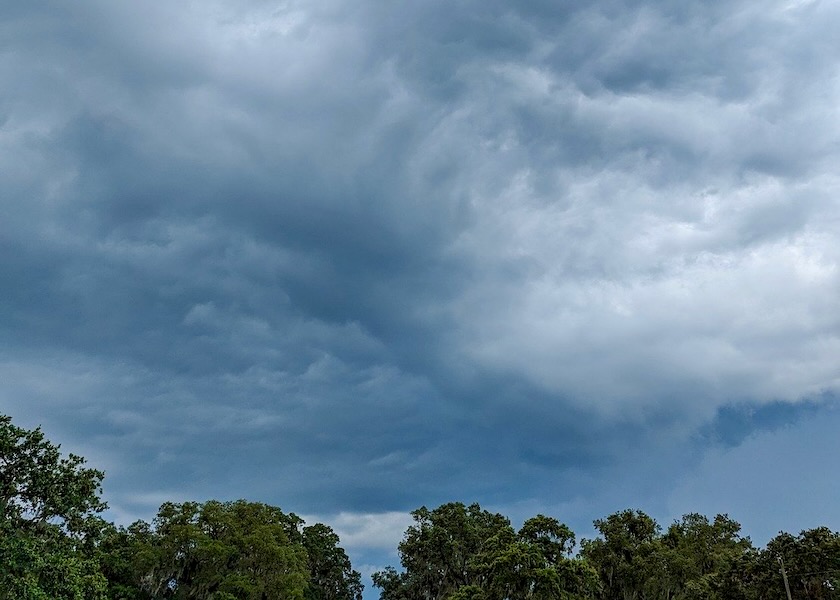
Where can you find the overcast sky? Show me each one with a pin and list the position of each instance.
(355, 257)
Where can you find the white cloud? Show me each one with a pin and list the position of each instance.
(367, 531)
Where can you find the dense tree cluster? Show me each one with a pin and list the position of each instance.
(463, 552)
(55, 546)
(460, 552)
(47, 520)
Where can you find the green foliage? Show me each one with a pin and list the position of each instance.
(240, 549)
(47, 520)
(466, 553)
(627, 556)
(812, 563)
(438, 551)
(39, 487)
(694, 560)
(331, 576)
(46, 566)
(700, 553)
(395, 585)
(126, 555)
(54, 547)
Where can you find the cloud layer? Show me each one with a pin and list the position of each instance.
(353, 258)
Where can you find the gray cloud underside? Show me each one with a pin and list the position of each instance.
(343, 256)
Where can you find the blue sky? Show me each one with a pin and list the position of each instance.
(351, 258)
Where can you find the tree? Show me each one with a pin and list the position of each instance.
(459, 552)
(812, 563)
(694, 560)
(48, 525)
(627, 557)
(437, 552)
(38, 487)
(701, 553)
(127, 555)
(220, 550)
(554, 543)
(331, 576)
(535, 564)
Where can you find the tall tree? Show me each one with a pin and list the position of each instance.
(812, 565)
(224, 551)
(127, 556)
(462, 552)
(437, 552)
(331, 576)
(627, 556)
(48, 524)
(535, 564)
(694, 560)
(701, 553)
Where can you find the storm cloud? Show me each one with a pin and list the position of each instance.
(353, 257)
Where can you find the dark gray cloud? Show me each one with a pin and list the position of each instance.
(352, 258)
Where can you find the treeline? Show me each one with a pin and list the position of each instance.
(458, 552)
(55, 546)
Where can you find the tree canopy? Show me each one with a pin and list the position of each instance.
(458, 551)
(53, 546)
(48, 505)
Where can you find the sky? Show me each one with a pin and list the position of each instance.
(351, 258)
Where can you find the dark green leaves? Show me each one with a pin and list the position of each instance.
(466, 553)
(39, 486)
(47, 522)
(238, 549)
(331, 575)
(54, 547)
